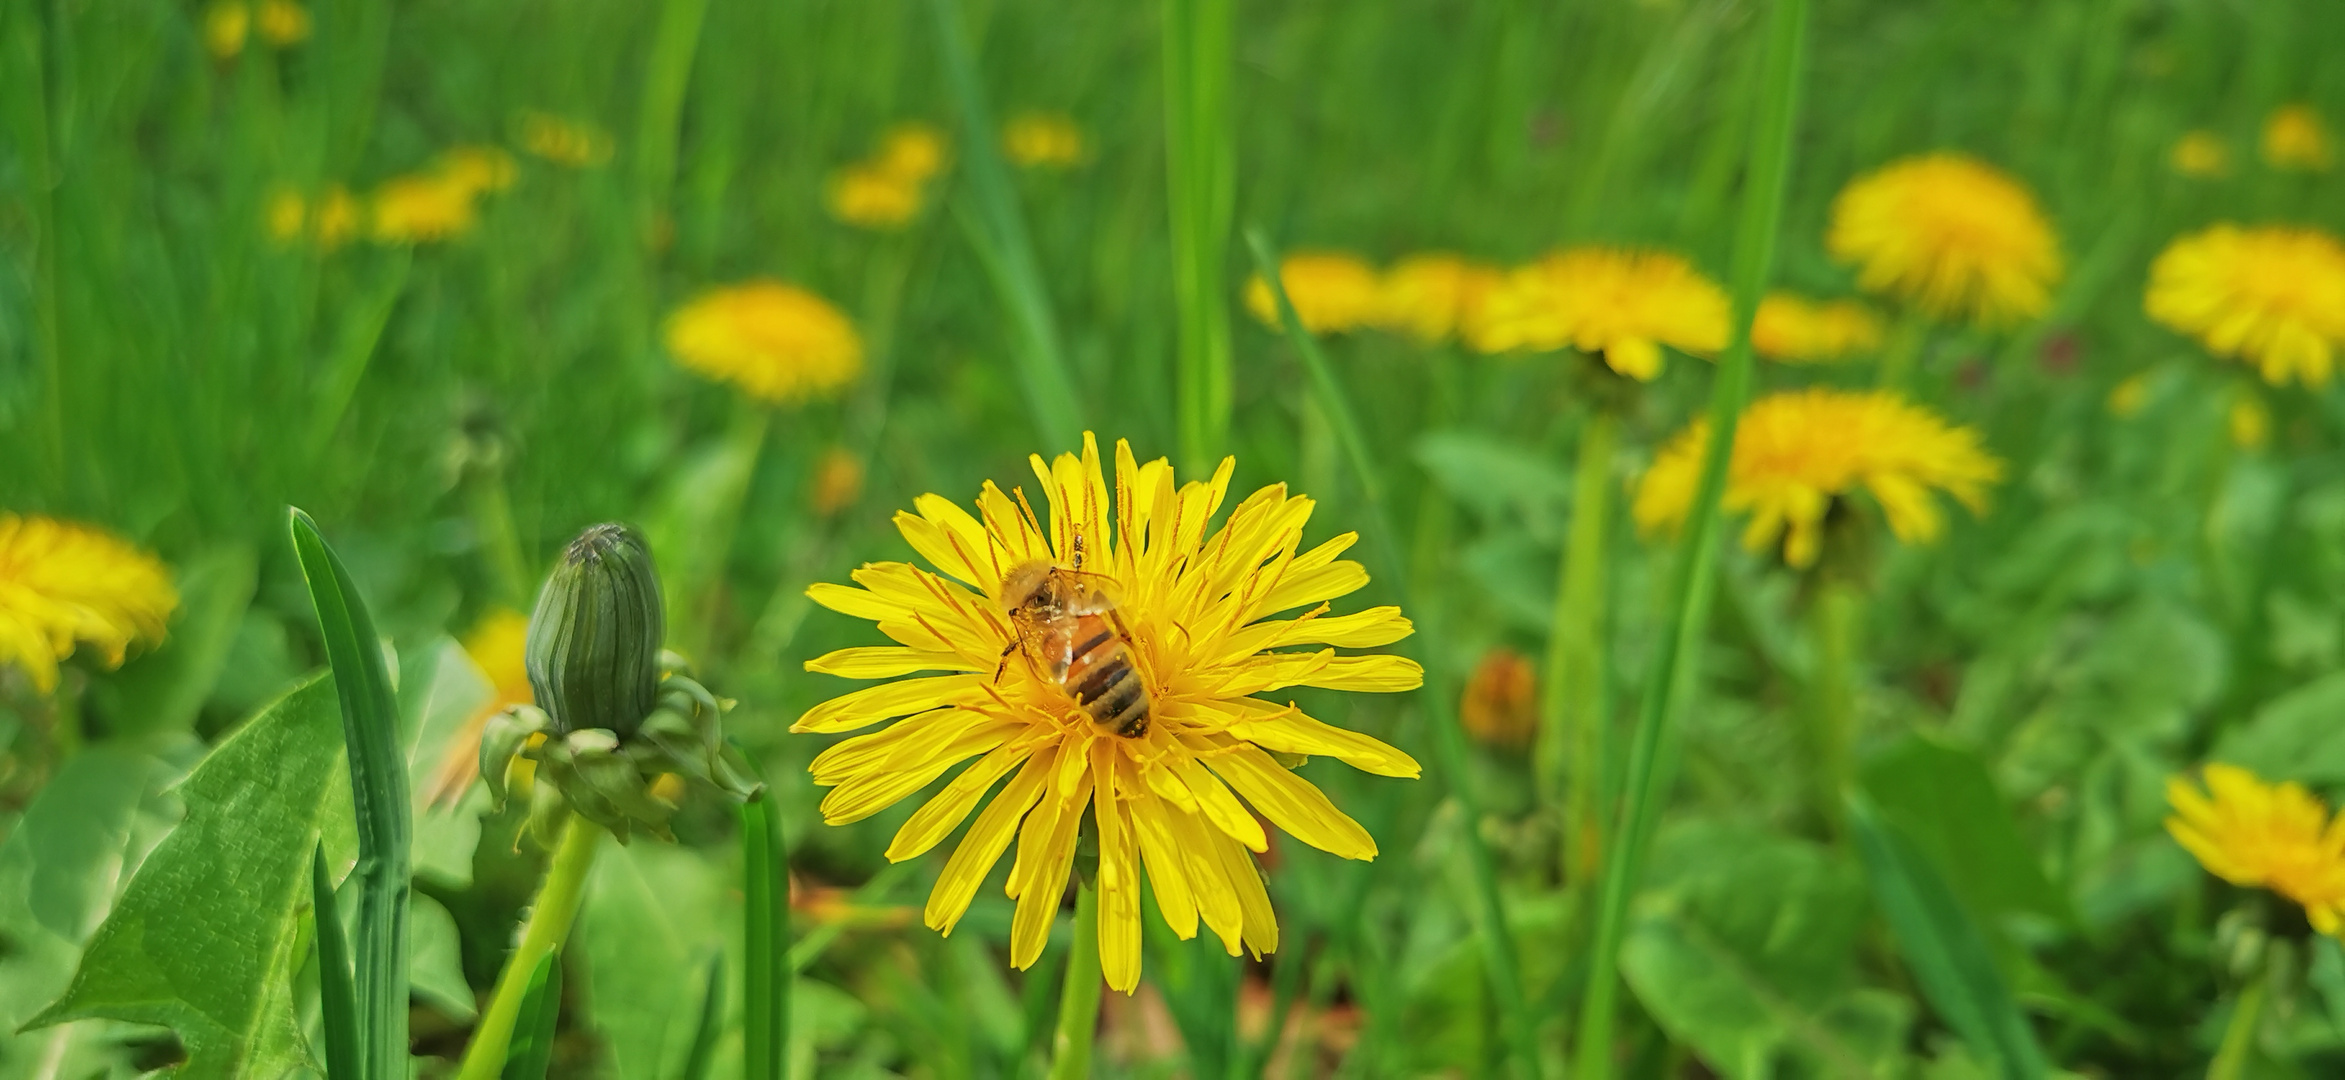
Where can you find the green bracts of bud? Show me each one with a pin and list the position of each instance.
(594, 642)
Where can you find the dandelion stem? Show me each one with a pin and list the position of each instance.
(2239, 1035)
(1896, 371)
(1834, 611)
(549, 924)
(1070, 1049)
(1572, 758)
(1693, 577)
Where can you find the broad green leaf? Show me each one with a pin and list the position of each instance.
(204, 940)
(435, 964)
(1944, 798)
(533, 1031)
(2295, 736)
(440, 692)
(654, 914)
(1949, 957)
(1499, 480)
(164, 691)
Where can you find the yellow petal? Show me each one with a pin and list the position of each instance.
(1302, 586)
(1291, 802)
(1199, 844)
(849, 600)
(1119, 874)
(1046, 875)
(1160, 851)
(985, 842)
(867, 795)
(887, 701)
(888, 662)
(1377, 674)
(1289, 731)
(941, 814)
(1260, 927)
(1215, 801)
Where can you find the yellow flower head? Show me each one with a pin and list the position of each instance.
(281, 22)
(776, 342)
(497, 646)
(1040, 140)
(1796, 330)
(1950, 235)
(328, 221)
(475, 167)
(872, 198)
(2250, 422)
(911, 152)
(2128, 398)
(2259, 835)
(1795, 452)
(2200, 154)
(64, 585)
(225, 25)
(1187, 622)
(570, 143)
(2274, 297)
(1333, 291)
(1624, 305)
(2295, 138)
(1429, 296)
(423, 207)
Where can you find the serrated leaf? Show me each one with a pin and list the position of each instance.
(2294, 736)
(654, 914)
(435, 963)
(203, 941)
(58, 872)
(1944, 798)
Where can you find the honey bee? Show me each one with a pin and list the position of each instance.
(1065, 620)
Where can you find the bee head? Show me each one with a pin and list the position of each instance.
(1022, 583)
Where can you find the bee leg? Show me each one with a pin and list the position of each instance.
(1004, 666)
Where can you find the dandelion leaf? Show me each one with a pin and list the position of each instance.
(205, 938)
(1945, 799)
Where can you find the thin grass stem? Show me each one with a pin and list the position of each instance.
(337, 1001)
(1201, 182)
(1572, 761)
(766, 974)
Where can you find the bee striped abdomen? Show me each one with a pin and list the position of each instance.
(1103, 681)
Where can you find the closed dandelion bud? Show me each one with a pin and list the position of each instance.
(1500, 706)
(594, 643)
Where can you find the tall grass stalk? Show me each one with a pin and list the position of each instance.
(550, 917)
(665, 80)
(1201, 184)
(1449, 747)
(765, 976)
(997, 230)
(1070, 1049)
(1693, 577)
(1572, 759)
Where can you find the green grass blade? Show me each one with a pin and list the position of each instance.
(337, 1009)
(997, 229)
(1948, 954)
(666, 77)
(712, 1023)
(1693, 577)
(378, 791)
(1201, 184)
(765, 935)
(1449, 746)
(533, 1032)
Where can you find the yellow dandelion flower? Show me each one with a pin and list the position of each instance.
(1796, 452)
(2200, 154)
(776, 342)
(1429, 296)
(497, 646)
(479, 168)
(571, 143)
(423, 207)
(871, 198)
(2128, 398)
(1622, 305)
(2295, 138)
(1333, 292)
(1950, 235)
(1044, 140)
(288, 214)
(281, 22)
(1500, 705)
(2250, 422)
(64, 585)
(911, 152)
(838, 481)
(225, 27)
(2259, 835)
(1178, 623)
(334, 220)
(1793, 329)
(2273, 297)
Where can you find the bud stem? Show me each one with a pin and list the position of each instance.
(549, 925)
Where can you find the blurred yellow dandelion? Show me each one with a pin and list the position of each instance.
(1044, 140)
(1793, 329)
(1949, 234)
(1191, 640)
(1428, 296)
(423, 207)
(913, 152)
(496, 646)
(2273, 297)
(572, 143)
(2201, 154)
(872, 198)
(2295, 138)
(1798, 451)
(838, 481)
(328, 220)
(1622, 305)
(479, 168)
(1333, 291)
(281, 22)
(2250, 422)
(288, 214)
(64, 585)
(2260, 835)
(225, 27)
(777, 342)
(2128, 398)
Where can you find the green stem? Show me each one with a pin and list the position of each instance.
(1070, 1050)
(665, 80)
(1693, 578)
(1896, 370)
(704, 519)
(1572, 759)
(1200, 181)
(766, 974)
(491, 503)
(549, 924)
(1833, 614)
(2239, 1035)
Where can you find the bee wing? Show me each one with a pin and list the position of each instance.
(1091, 594)
(1050, 643)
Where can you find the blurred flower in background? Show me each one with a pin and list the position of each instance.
(2202, 154)
(1619, 304)
(1793, 329)
(280, 23)
(1950, 235)
(1044, 140)
(2260, 835)
(1500, 705)
(2129, 397)
(1797, 452)
(887, 190)
(2271, 296)
(777, 342)
(423, 207)
(838, 481)
(1334, 292)
(480, 168)
(913, 151)
(328, 220)
(571, 143)
(1429, 296)
(2295, 139)
(2250, 422)
(496, 646)
(225, 28)
(64, 585)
